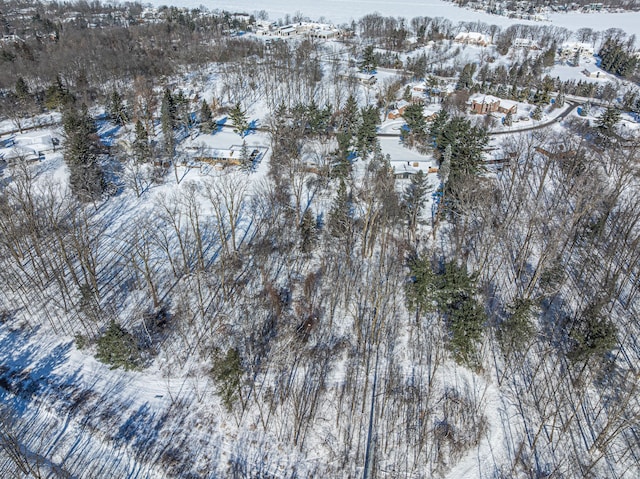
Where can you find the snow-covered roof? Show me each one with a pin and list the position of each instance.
(576, 46)
(508, 104)
(471, 37)
(480, 98)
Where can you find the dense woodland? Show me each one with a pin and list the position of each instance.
(325, 323)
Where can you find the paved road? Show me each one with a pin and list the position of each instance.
(573, 103)
(572, 106)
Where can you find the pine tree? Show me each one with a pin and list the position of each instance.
(465, 81)
(367, 130)
(407, 96)
(452, 290)
(414, 199)
(576, 58)
(22, 89)
(537, 113)
(141, 147)
(415, 120)
(239, 119)
(168, 121)
(549, 56)
(340, 213)
(117, 347)
(184, 118)
(247, 164)
(438, 124)
(81, 154)
(369, 60)
(57, 95)
(117, 110)
(308, 231)
(349, 116)
(206, 118)
(607, 121)
(227, 373)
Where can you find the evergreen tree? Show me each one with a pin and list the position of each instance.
(184, 118)
(227, 373)
(168, 122)
(618, 57)
(341, 167)
(607, 121)
(340, 214)
(118, 348)
(206, 117)
(239, 119)
(407, 96)
(141, 147)
(576, 58)
(517, 330)
(349, 116)
(367, 130)
(308, 231)
(593, 335)
(57, 95)
(81, 154)
(415, 120)
(452, 290)
(369, 60)
(585, 109)
(537, 113)
(465, 81)
(245, 156)
(22, 89)
(414, 199)
(549, 56)
(438, 124)
(117, 111)
(467, 143)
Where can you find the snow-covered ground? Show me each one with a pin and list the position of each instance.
(344, 11)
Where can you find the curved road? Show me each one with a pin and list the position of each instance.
(572, 106)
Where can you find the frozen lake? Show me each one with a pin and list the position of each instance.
(343, 11)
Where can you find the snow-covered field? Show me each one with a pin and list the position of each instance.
(343, 11)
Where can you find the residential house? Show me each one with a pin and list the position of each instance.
(324, 34)
(398, 111)
(485, 104)
(568, 50)
(472, 38)
(366, 78)
(287, 31)
(592, 72)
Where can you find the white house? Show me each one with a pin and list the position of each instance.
(287, 31)
(569, 49)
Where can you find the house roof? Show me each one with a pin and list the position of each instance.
(473, 36)
(507, 103)
(480, 98)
